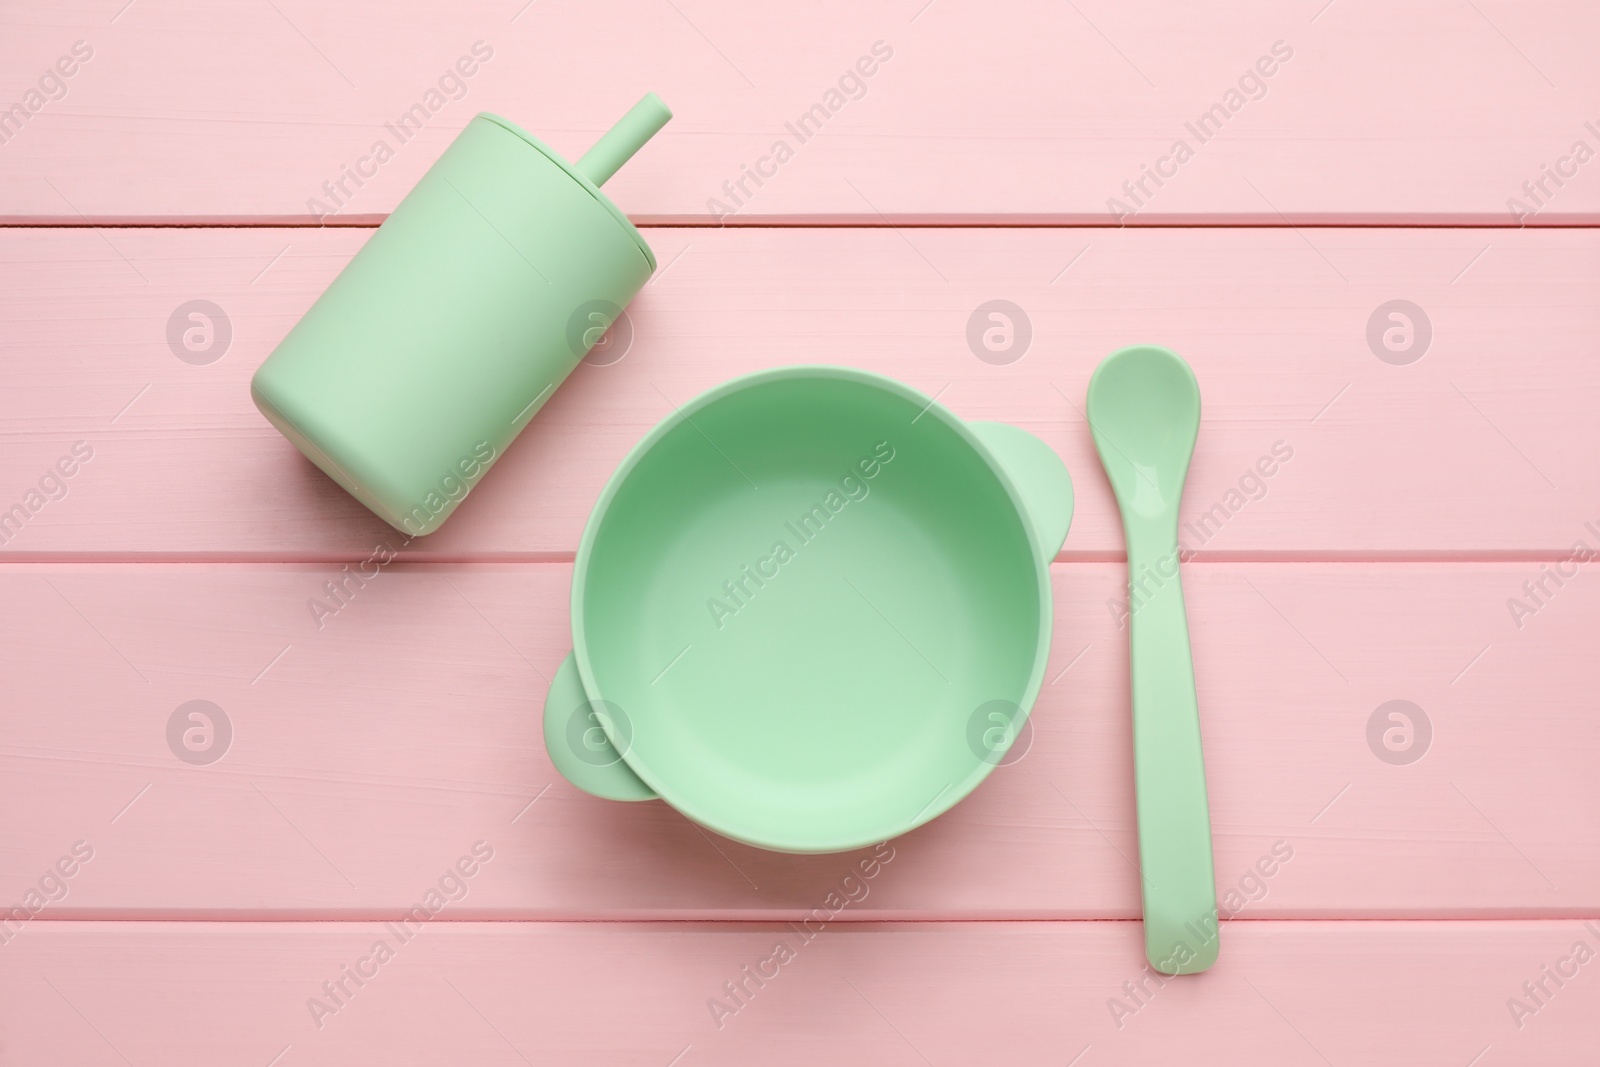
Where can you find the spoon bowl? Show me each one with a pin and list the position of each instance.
(1144, 412)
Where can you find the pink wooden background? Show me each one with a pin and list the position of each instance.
(1425, 150)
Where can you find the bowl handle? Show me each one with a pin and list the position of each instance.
(578, 747)
(1040, 477)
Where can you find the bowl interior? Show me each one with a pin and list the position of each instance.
(804, 596)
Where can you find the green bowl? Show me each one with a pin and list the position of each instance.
(810, 610)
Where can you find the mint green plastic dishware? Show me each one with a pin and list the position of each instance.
(1144, 412)
(810, 610)
(439, 341)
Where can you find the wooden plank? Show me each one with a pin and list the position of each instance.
(912, 994)
(365, 756)
(1479, 449)
(995, 111)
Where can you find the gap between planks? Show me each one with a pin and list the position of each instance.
(752, 918)
(564, 558)
(851, 222)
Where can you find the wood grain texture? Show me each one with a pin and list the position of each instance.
(161, 544)
(1018, 993)
(367, 755)
(1428, 110)
(1483, 448)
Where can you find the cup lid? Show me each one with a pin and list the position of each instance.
(576, 175)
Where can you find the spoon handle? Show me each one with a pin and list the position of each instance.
(1180, 896)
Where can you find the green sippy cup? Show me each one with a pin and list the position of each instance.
(456, 321)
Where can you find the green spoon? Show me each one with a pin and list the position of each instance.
(1144, 411)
